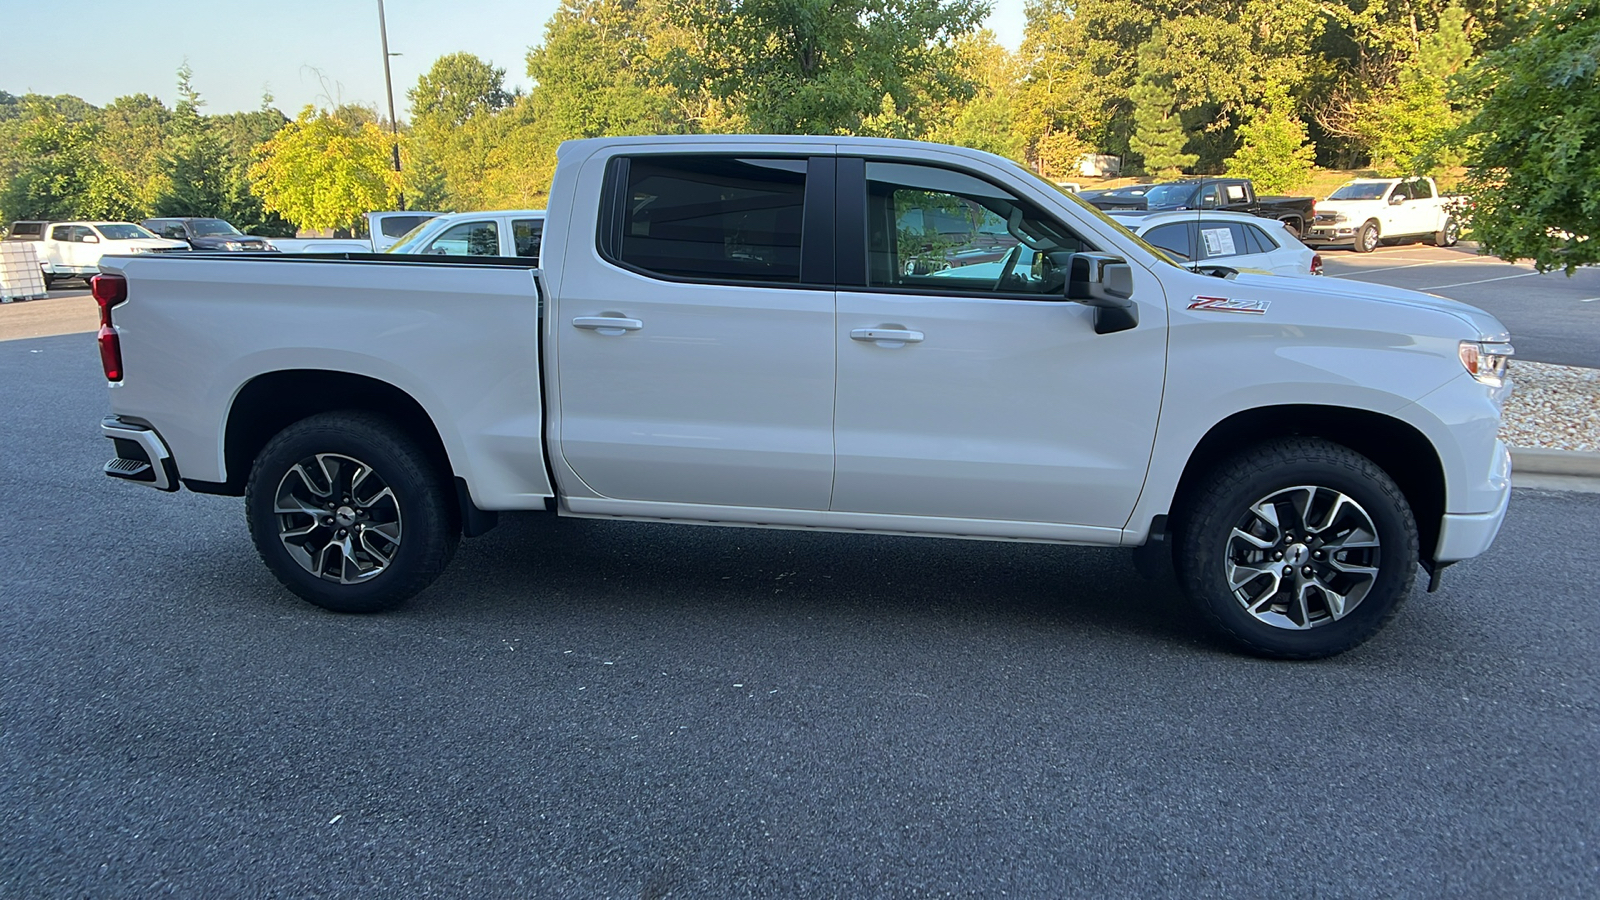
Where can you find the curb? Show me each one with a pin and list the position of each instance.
(1538, 461)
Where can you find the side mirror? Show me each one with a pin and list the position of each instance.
(1396, 200)
(1104, 282)
(91, 239)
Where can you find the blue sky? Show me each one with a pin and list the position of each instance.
(301, 51)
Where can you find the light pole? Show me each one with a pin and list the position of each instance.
(388, 84)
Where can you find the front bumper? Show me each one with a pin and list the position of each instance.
(142, 455)
(1325, 235)
(1463, 536)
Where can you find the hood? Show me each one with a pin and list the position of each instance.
(144, 244)
(216, 242)
(1487, 326)
(1346, 206)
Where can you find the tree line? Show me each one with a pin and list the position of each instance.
(1262, 88)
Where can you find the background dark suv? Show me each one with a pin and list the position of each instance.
(206, 234)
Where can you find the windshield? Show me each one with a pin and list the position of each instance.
(211, 227)
(1167, 196)
(1360, 190)
(122, 231)
(1110, 222)
(409, 239)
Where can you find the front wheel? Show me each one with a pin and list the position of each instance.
(1297, 549)
(1367, 238)
(349, 512)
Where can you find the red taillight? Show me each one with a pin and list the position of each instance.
(109, 290)
(1316, 263)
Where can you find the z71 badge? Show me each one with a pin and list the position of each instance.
(1227, 304)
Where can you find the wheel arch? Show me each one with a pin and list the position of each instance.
(1393, 445)
(272, 401)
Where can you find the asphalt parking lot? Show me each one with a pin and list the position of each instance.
(595, 709)
(1552, 318)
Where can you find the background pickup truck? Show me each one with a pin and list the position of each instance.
(383, 230)
(772, 331)
(1364, 212)
(74, 249)
(1227, 194)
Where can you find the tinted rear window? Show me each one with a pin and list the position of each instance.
(715, 218)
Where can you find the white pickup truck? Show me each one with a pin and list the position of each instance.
(1364, 212)
(383, 230)
(74, 249)
(776, 332)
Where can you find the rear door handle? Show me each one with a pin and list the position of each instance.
(886, 337)
(611, 325)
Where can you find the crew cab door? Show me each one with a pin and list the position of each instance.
(968, 386)
(695, 333)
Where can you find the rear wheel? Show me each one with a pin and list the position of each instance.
(1448, 235)
(349, 512)
(1367, 238)
(1297, 549)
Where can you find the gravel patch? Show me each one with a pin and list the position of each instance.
(1554, 407)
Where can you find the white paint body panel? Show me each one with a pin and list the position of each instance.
(753, 405)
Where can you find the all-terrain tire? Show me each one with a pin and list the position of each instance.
(1223, 530)
(350, 513)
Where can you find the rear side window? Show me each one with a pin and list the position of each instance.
(1260, 241)
(61, 233)
(1176, 237)
(397, 226)
(525, 235)
(711, 218)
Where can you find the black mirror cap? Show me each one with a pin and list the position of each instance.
(1104, 282)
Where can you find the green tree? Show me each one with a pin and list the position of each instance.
(131, 139)
(451, 133)
(1534, 142)
(324, 172)
(240, 134)
(601, 71)
(988, 118)
(1158, 135)
(1275, 153)
(805, 67)
(61, 176)
(195, 164)
(457, 88)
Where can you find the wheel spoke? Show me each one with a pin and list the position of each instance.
(1313, 528)
(363, 534)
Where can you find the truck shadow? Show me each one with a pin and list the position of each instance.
(538, 565)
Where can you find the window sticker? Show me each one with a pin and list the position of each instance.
(1219, 241)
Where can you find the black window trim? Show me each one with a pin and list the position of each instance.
(853, 254)
(817, 216)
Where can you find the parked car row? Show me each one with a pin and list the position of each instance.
(1361, 214)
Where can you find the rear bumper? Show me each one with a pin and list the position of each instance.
(142, 455)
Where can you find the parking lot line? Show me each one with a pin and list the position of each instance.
(1431, 262)
(1479, 281)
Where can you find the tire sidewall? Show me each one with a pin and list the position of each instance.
(1397, 535)
(427, 531)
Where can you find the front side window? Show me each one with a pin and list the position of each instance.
(939, 230)
(467, 239)
(713, 218)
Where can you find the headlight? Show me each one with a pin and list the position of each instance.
(1340, 217)
(1487, 361)
(232, 245)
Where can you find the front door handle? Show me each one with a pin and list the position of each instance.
(886, 337)
(611, 325)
